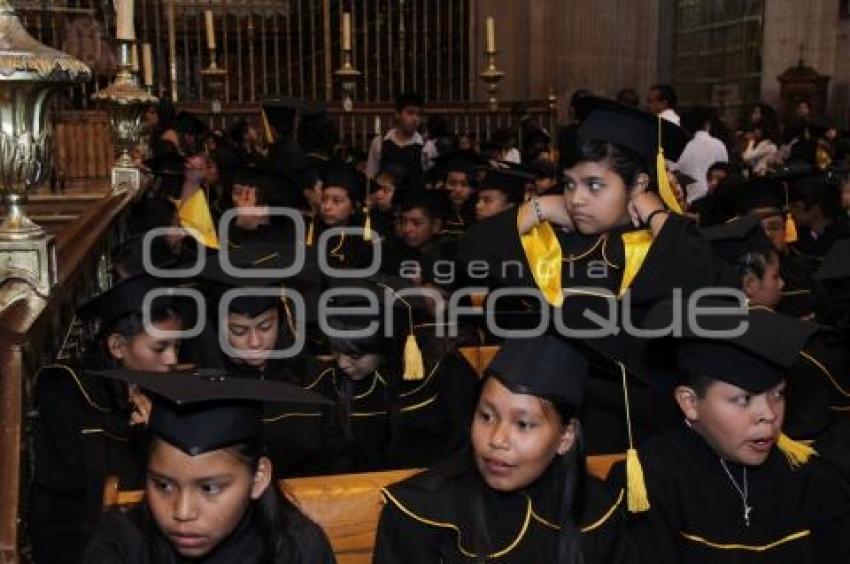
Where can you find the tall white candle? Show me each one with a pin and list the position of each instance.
(346, 31)
(147, 63)
(134, 58)
(377, 125)
(491, 34)
(208, 16)
(124, 20)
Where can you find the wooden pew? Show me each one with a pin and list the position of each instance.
(346, 506)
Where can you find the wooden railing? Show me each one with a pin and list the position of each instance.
(33, 331)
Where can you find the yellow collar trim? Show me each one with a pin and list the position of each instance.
(419, 405)
(424, 383)
(318, 379)
(104, 433)
(375, 378)
(523, 530)
(748, 547)
(828, 374)
(602, 520)
(79, 385)
(288, 415)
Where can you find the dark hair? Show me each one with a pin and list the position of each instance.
(667, 94)
(821, 192)
(563, 480)
(273, 516)
(129, 326)
(719, 165)
(624, 162)
(628, 97)
(697, 117)
(754, 262)
(407, 99)
(700, 383)
(430, 204)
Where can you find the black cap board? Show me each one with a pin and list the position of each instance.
(510, 182)
(546, 366)
(736, 238)
(124, 298)
(632, 129)
(202, 411)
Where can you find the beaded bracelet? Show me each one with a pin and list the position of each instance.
(653, 214)
(538, 211)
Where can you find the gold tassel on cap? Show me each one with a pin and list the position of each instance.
(637, 498)
(790, 225)
(796, 452)
(310, 233)
(367, 225)
(664, 188)
(267, 128)
(414, 366)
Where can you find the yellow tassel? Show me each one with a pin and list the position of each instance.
(310, 233)
(796, 452)
(664, 189)
(267, 129)
(414, 368)
(637, 498)
(790, 228)
(367, 226)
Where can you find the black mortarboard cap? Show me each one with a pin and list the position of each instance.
(546, 366)
(632, 129)
(281, 115)
(166, 164)
(125, 297)
(763, 196)
(189, 123)
(511, 182)
(203, 411)
(738, 237)
(755, 360)
(266, 256)
(348, 179)
(836, 262)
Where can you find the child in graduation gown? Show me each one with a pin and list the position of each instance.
(87, 427)
(257, 339)
(726, 485)
(521, 494)
(210, 495)
(402, 409)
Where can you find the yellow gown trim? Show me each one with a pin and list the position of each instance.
(636, 245)
(752, 548)
(602, 520)
(281, 416)
(498, 554)
(79, 385)
(544, 255)
(818, 364)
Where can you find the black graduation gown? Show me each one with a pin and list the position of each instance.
(458, 221)
(430, 517)
(408, 157)
(83, 436)
(798, 294)
(125, 538)
(696, 514)
(346, 251)
(679, 257)
(427, 422)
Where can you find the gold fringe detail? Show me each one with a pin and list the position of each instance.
(637, 499)
(791, 235)
(664, 189)
(414, 368)
(367, 226)
(311, 229)
(796, 452)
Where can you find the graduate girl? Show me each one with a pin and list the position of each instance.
(611, 232)
(400, 411)
(255, 336)
(520, 495)
(210, 493)
(86, 425)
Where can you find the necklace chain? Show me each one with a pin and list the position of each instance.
(743, 492)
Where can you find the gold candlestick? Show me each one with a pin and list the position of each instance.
(347, 75)
(491, 76)
(215, 81)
